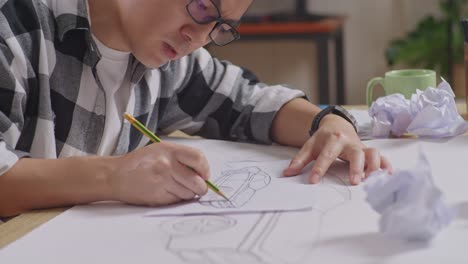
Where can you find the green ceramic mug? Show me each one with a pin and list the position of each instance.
(405, 82)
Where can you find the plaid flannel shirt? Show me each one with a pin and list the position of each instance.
(49, 110)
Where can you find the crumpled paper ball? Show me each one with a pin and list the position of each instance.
(390, 114)
(435, 113)
(429, 113)
(410, 205)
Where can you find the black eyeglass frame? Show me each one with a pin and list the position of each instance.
(219, 22)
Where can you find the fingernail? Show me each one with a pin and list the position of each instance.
(356, 178)
(315, 178)
(294, 164)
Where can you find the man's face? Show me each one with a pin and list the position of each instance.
(158, 31)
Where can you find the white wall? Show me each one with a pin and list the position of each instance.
(370, 25)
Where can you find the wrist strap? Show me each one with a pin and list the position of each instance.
(332, 109)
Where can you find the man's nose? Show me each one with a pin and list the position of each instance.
(196, 33)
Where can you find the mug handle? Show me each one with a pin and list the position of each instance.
(370, 88)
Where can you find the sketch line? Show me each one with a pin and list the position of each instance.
(239, 186)
(258, 237)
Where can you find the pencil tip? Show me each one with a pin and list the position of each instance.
(224, 196)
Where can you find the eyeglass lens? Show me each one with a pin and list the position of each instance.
(203, 11)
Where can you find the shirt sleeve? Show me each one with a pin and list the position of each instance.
(12, 104)
(216, 99)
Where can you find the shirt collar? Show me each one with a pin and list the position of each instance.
(71, 15)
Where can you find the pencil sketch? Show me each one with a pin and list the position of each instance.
(239, 186)
(253, 238)
(198, 225)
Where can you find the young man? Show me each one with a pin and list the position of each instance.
(71, 68)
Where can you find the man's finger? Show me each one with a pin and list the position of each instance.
(190, 179)
(165, 198)
(179, 190)
(385, 164)
(194, 159)
(327, 156)
(373, 160)
(302, 158)
(356, 159)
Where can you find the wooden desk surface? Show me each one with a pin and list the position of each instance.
(25, 223)
(462, 109)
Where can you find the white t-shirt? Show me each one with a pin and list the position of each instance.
(112, 69)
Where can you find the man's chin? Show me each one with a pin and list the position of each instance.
(152, 63)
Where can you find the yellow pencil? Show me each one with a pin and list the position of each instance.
(155, 139)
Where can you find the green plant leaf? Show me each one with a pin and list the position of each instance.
(426, 46)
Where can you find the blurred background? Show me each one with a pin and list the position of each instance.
(378, 35)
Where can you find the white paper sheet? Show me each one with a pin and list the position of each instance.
(343, 229)
(251, 187)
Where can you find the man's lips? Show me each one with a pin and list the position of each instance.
(169, 51)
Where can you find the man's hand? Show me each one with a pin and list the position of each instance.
(336, 138)
(160, 174)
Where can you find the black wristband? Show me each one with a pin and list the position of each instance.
(332, 109)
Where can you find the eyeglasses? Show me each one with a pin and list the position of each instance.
(204, 12)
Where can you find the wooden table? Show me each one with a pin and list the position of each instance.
(25, 223)
(462, 109)
(321, 29)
